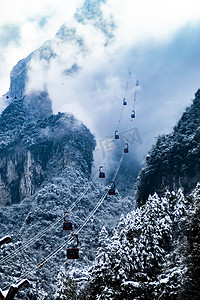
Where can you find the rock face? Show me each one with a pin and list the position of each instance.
(34, 144)
(21, 169)
(174, 161)
(18, 78)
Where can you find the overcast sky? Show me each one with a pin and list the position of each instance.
(158, 41)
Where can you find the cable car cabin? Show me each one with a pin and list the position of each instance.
(101, 174)
(116, 135)
(124, 101)
(133, 115)
(112, 189)
(72, 253)
(67, 225)
(126, 148)
(137, 83)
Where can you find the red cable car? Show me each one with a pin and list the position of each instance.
(73, 253)
(126, 148)
(112, 189)
(116, 135)
(66, 224)
(101, 174)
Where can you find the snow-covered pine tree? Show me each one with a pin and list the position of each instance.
(136, 254)
(99, 272)
(170, 279)
(66, 287)
(191, 259)
(153, 253)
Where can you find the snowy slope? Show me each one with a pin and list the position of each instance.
(173, 162)
(23, 221)
(45, 165)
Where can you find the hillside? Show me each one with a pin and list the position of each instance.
(174, 161)
(45, 165)
(32, 151)
(67, 40)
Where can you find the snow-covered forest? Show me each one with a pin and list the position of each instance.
(153, 253)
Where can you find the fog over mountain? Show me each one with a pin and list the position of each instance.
(85, 66)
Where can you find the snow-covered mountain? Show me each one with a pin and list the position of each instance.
(46, 162)
(32, 140)
(173, 162)
(70, 40)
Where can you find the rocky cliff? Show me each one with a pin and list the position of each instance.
(32, 140)
(174, 161)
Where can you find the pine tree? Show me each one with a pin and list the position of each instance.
(191, 286)
(66, 287)
(136, 253)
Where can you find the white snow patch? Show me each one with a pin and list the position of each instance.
(133, 283)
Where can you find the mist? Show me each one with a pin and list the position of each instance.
(153, 43)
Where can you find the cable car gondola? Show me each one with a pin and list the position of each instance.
(112, 189)
(101, 174)
(133, 114)
(66, 224)
(116, 135)
(126, 148)
(124, 101)
(73, 253)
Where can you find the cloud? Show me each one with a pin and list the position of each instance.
(10, 34)
(168, 73)
(34, 22)
(153, 19)
(158, 41)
